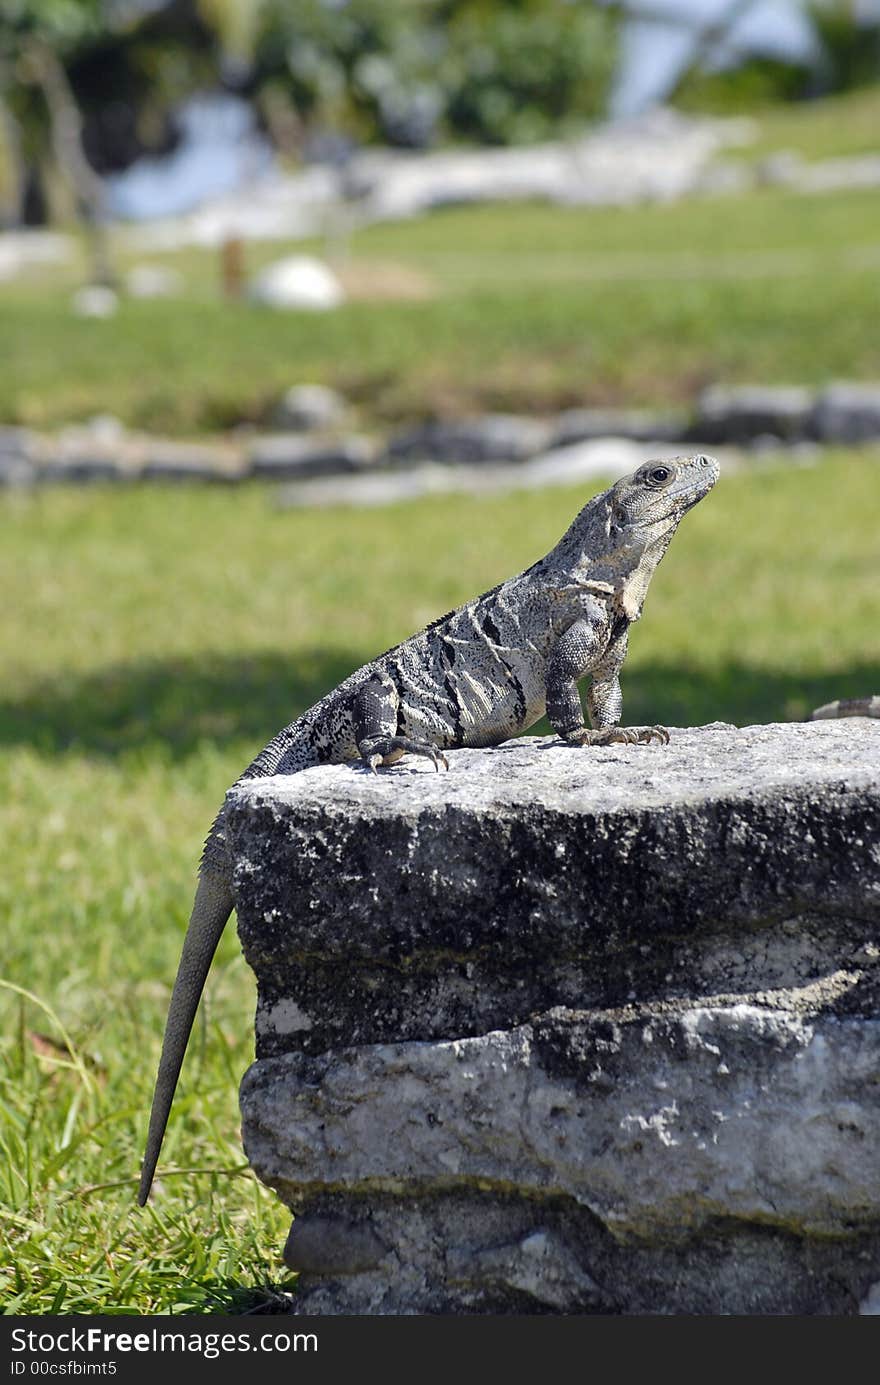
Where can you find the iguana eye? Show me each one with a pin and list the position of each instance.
(659, 474)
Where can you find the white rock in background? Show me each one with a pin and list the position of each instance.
(22, 248)
(484, 439)
(285, 455)
(848, 411)
(783, 166)
(278, 207)
(742, 413)
(833, 175)
(17, 457)
(659, 157)
(95, 300)
(563, 466)
(106, 428)
(297, 281)
(582, 461)
(306, 407)
(153, 281)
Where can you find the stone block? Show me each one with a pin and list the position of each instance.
(571, 1030)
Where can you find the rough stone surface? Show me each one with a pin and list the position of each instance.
(848, 412)
(488, 438)
(639, 425)
(82, 469)
(17, 452)
(572, 1031)
(737, 414)
(561, 466)
(304, 408)
(180, 461)
(841, 174)
(16, 472)
(283, 456)
(658, 157)
(328, 465)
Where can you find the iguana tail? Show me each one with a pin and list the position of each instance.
(211, 909)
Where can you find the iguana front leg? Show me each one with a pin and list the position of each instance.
(374, 718)
(578, 652)
(605, 702)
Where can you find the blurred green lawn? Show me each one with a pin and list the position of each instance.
(525, 308)
(151, 641)
(532, 309)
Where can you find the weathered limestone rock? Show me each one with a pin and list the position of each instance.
(639, 425)
(282, 456)
(306, 408)
(573, 1031)
(741, 413)
(17, 448)
(560, 466)
(174, 461)
(487, 438)
(848, 412)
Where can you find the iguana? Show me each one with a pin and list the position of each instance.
(475, 677)
(847, 707)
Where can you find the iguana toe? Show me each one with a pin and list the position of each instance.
(610, 735)
(619, 735)
(387, 750)
(646, 734)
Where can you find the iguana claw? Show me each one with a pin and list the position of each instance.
(391, 749)
(619, 735)
(652, 733)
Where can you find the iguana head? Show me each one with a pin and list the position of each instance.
(653, 499)
(619, 537)
(640, 513)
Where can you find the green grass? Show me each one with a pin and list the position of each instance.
(835, 127)
(532, 308)
(150, 642)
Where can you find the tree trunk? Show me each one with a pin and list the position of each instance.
(66, 126)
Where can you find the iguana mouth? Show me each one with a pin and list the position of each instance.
(713, 471)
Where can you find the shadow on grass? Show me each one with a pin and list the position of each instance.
(173, 706)
(230, 1298)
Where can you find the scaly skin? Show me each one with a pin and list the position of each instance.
(847, 707)
(475, 677)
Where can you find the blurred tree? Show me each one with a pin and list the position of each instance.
(410, 70)
(86, 85)
(847, 56)
(37, 37)
(850, 37)
(237, 24)
(524, 70)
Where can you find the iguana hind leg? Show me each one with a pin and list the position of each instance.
(374, 718)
